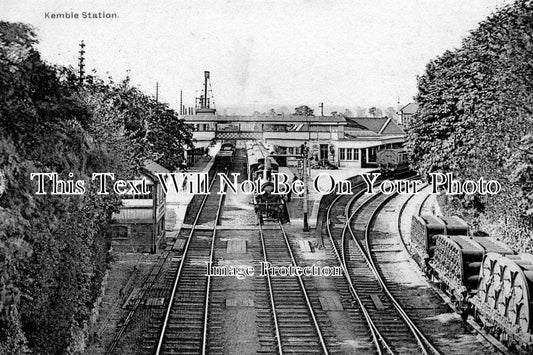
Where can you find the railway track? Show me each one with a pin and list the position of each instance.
(296, 326)
(376, 251)
(391, 328)
(336, 222)
(185, 323)
(289, 316)
(137, 330)
(402, 227)
(157, 323)
(374, 242)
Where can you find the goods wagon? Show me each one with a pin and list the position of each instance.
(456, 263)
(425, 228)
(392, 161)
(503, 302)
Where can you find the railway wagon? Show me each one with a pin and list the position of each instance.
(225, 155)
(225, 158)
(252, 156)
(503, 303)
(227, 146)
(257, 156)
(258, 169)
(424, 230)
(457, 261)
(392, 161)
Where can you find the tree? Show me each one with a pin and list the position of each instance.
(348, 113)
(54, 246)
(284, 110)
(521, 164)
(375, 112)
(54, 249)
(474, 118)
(360, 111)
(390, 112)
(303, 111)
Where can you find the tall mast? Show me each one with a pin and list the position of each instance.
(81, 66)
(181, 102)
(205, 103)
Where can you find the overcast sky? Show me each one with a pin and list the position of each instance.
(344, 53)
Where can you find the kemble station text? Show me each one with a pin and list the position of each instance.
(323, 183)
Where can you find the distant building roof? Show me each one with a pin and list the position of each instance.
(286, 119)
(354, 125)
(409, 109)
(372, 125)
(391, 127)
(362, 133)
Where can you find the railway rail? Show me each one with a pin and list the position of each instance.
(377, 251)
(392, 332)
(296, 325)
(288, 306)
(377, 260)
(497, 346)
(153, 288)
(185, 324)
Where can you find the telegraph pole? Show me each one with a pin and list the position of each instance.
(321, 109)
(181, 102)
(157, 91)
(81, 60)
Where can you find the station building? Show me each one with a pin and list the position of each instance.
(406, 113)
(341, 141)
(139, 226)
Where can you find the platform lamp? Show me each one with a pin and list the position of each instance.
(305, 153)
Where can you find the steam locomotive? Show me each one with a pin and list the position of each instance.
(482, 276)
(261, 166)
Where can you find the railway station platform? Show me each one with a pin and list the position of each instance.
(296, 205)
(177, 203)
